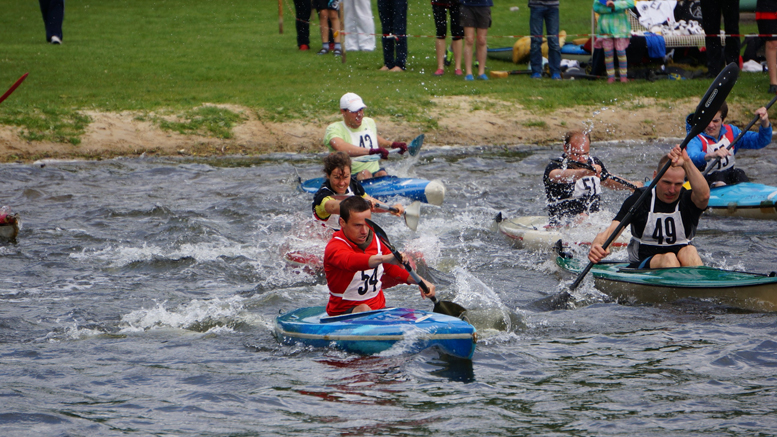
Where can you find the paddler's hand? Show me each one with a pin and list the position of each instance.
(679, 157)
(763, 114)
(431, 289)
(399, 145)
(399, 210)
(383, 152)
(597, 253)
(720, 153)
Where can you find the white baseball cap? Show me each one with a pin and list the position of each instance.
(351, 102)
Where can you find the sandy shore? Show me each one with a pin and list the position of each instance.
(462, 121)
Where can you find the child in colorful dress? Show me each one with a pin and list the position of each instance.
(613, 32)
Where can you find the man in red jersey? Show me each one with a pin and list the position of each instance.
(355, 260)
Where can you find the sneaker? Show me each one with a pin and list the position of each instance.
(459, 72)
(610, 80)
(439, 72)
(304, 47)
(624, 80)
(483, 77)
(469, 77)
(772, 89)
(56, 40)
(556, 76)
(323, 51)
(536, 75)
(331, 46)
(337, 52)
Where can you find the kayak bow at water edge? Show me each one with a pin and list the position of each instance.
(743, 290)
(535, 233)
(423, 190)
(746, 200)
(372, 332)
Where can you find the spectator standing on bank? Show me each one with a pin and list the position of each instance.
(710, 21)
(457, 33)
(544, 11)
(303, 9)
(329, 16)
(613, 31)
(359, 26)
(393, 20)
(476, 19)
(53, 14)
(766, 17)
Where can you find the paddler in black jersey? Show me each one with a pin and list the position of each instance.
(664, 224)
(573, 183)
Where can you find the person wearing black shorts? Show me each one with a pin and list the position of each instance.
(476, 19)
(766, 18)
(457, 33)
(329, 16)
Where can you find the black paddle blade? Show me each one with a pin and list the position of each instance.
(710, 103)
(448, 308)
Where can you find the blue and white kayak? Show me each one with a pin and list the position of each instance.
(747, 200)
(389, 186)
(372, 332)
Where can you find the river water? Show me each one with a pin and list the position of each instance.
(140, 299)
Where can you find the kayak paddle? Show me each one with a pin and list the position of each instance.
(605, 173)
(442, 307)
(705, 112)
(739, 137)
(412, 212)
(414, 147)
(13, 87)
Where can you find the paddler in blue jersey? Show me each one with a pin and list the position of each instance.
(338, 184)
(573, 183)
(357, 136)
(712, 143)
(663, 226)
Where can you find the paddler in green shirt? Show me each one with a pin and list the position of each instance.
(358, 136)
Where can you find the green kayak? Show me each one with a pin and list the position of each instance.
(748, 291)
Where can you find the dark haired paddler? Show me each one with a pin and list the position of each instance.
(355, 263)
(339, 182)
(712, 143)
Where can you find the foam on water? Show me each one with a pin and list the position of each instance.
(197, 315)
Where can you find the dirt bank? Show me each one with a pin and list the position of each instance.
(461, 121)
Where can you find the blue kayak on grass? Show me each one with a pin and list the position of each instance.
(389, 186)
(372, 332)
(746, 200)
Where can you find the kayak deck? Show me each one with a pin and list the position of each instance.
(423, 190)
(746, 200)
(534, 233)
(748, 291)
(373, 332)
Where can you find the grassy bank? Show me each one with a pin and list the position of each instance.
(166, 57)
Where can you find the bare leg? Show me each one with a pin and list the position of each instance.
(361, 308)
(469, 41)
(481, 51)
(334, 20)
(457, 53)
(362, 175)
(323, 19)
(439, 47)
(664, 261)
(771, 61)
(689, 257)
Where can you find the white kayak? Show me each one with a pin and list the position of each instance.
(535, 233)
